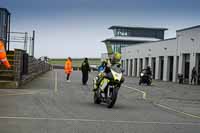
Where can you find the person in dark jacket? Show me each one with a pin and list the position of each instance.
(85, 68)
(194, 75)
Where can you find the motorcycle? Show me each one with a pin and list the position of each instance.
(145, 78)
(111, 84)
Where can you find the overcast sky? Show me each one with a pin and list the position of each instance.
(76, 27)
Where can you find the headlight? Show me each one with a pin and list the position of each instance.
(142, 74)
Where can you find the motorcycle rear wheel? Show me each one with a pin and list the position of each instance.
(97, 100)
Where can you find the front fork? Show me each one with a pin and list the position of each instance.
(114, 88)
(108, 92)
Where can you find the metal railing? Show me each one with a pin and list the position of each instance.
(23, 41)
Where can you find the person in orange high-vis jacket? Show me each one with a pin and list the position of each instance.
(3, 57)
(68, 68)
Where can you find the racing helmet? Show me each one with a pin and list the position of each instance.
(117, 56)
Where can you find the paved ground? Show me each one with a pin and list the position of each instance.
(182, 97)
(49, 104)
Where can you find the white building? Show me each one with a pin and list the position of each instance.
(167, 57)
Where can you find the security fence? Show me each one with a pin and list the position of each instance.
(23, 41)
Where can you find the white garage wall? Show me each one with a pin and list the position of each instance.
(154, 49)
(189, 41)
(186, 42)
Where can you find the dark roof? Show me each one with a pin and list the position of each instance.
(193, 27)
(131, 39)
(145, 42)
(4, 9)
(111, 40)
(130, 27)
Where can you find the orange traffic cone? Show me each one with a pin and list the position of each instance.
(3, 57)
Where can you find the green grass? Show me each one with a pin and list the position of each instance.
(75, 62)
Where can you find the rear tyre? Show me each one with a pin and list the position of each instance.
(96, 98)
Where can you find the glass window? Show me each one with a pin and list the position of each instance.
(121, 32)
(125, 32)
(118, 49)
(115, 32)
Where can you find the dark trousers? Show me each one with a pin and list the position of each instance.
(198, 80)
(193, 78)
(84, 77)
(68, 75)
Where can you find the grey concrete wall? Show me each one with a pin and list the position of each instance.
(35, 67)
(18, 58)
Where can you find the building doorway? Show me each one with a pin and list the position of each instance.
(131, 67)
(141, 65)
(126, 66)
(161, 65)
(170, 67)
(198, 69)
(146, 62)
(186, 67)
(153, 67)
(135, 67)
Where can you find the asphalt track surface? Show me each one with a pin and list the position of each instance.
(49, 104)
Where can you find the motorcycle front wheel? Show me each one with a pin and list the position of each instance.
(149, 82)
(140, 82)
(111, 101)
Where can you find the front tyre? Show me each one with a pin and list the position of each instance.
(111, 101)
(149, 82)
(140, 82)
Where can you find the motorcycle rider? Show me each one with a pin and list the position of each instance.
(102, 66)
(146, 76)
(148, 71)
(115, 60)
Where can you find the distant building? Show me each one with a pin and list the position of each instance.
(125, 36)
(5, 26)
(167, 57)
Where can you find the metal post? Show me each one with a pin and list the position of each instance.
(25, 41)
(9, 33)
(4, 24)
(30, 46)
(33, 43)
(5, 27)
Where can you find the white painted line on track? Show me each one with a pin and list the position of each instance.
(143, 93)
(107, 121)
(17, 94)
(44, 78)
(180, 112)
(163, 106)
(56, 82)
